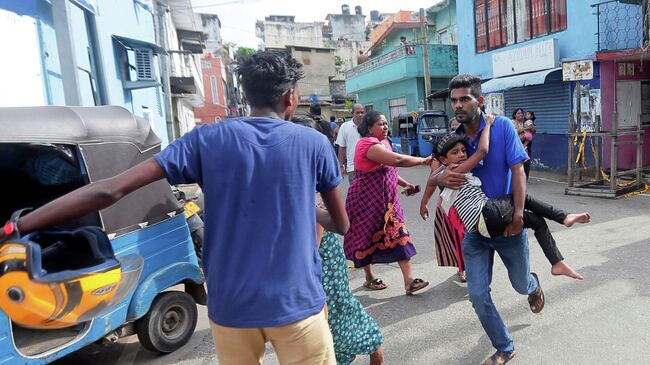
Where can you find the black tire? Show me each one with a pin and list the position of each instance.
(169, 324)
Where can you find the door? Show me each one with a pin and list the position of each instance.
(628, 103)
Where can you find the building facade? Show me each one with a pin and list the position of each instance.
(392, 80)
(534, 54)
(278, 31)
(84, 53)
(213, 69)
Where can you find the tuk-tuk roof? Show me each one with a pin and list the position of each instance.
(420, 113)
(75, 125)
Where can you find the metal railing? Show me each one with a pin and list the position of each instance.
(184, 64)
(620, 24)
(377, 62)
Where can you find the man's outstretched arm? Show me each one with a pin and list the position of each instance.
(335, 218)
(91, 198)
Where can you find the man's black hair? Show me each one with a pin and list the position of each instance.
(473, 82)
(332, 118)
(306, 121)
(446, 143)
(369, 119)
(314, 110)
(265, 76)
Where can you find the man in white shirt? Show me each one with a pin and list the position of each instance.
(347, 141)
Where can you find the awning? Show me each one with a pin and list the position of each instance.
(509, 82)
(136, 43)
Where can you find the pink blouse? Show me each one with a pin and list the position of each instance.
(361, 162)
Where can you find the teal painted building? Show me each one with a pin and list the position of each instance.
(392, 80)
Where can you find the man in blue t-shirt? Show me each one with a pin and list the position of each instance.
(501, 172)
(260, 175)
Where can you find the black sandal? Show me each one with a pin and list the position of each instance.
(416, 285)
(536, 299)
(376, 284)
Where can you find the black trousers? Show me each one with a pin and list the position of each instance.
(497, 214)
(530, 158)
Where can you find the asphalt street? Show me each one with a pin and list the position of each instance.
(602, 319)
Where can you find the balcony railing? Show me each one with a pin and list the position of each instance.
(185, 73)
(376, 62)
(620, 24)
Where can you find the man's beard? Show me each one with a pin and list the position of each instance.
(467, 117)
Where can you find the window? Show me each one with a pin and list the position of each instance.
(213, 87)
(503, 22)
(396, 107)
(136, 58)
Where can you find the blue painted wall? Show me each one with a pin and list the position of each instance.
(379, 96)
(578, 41)
(446, 17)
(125, 18)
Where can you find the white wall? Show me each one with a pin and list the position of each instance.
(20, 67)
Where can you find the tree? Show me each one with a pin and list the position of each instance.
(243, 52)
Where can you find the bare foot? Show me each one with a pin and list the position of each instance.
(576, 218)
(561, 268)
(377, 357)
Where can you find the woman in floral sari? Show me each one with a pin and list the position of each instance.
(377, 231)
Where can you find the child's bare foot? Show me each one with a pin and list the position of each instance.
(576, 218)
(561, 268)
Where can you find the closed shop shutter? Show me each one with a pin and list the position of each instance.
(551, 103)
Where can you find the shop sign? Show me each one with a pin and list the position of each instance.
(538, 56)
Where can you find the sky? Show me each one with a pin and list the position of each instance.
(238, 16)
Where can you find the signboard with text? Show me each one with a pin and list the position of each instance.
(538, 56)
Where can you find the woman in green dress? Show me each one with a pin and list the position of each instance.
(353, 330)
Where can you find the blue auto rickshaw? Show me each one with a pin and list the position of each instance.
(49, 151)
(415, 133)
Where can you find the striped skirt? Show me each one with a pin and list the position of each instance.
(448, 237)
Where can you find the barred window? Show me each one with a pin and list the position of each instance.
(499, 23)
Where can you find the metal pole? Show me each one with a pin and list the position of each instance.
(614, 156)
(639, 152)
(571, 151)
(425, 54)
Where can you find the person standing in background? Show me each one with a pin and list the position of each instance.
(347, 139)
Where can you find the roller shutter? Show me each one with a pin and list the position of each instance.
(551, 103)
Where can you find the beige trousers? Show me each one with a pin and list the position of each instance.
(305, 342)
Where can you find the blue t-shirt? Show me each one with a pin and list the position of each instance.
(259, 177)
(505, 151)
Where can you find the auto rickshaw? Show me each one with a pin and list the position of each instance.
(415, 133)
(51, 150)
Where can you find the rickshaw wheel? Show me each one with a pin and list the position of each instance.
(169, 324)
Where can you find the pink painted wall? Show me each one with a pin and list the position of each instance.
(608, 78)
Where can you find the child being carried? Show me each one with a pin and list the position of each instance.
(489, 217)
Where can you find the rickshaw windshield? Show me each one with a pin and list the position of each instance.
(433, 122)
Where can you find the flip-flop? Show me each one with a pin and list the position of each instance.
(494, 359)
(416, 285)
(462, 277)
(376, 284)
(536, 300)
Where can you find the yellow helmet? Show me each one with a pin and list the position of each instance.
(58, 279)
